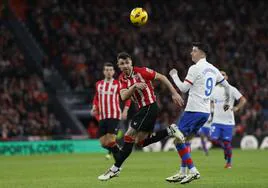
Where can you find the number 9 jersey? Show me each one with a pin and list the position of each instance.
(203, 77)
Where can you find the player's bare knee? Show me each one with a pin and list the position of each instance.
(110, 138)
(103, 141)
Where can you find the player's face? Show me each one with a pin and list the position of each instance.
(125, 65)
(108, 72)
(196, 54)
(224, 75)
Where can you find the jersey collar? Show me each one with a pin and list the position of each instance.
(105, 80)
(202, 60)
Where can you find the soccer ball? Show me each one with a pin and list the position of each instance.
(138, 16)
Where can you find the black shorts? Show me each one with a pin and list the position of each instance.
(108, 126)
(144, 119)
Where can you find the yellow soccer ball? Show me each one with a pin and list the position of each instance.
(138, 16)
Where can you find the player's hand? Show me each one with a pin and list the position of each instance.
(177, 99)
(226, 107)
(173, 72)
(93, 112)
(235, 109)
(140, 85)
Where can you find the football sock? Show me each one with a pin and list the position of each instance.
(184, 153)
(227, 147)
(125, 151)
(155, 137)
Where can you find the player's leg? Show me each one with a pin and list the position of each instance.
(148, 126)
(181, 147)
(103, 142)
(190, 125)
(112, 130)
(171, 130)
(122, 155)
(227, 146)
(107, 132)
(203, 135)
(185, 126)
(102, 133)
(215, 133)
(111, 144)
(141, 125)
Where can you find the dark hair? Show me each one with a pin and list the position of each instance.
(108, 64)
(202, 46)
(123, 55)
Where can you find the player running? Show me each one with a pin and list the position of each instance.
(136, 83)
(200, 82)
(106, 105)
(223, 121)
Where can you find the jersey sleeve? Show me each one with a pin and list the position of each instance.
(219, 78)
(147, 73)
(191, 75)
(236, 94)
(96, 98)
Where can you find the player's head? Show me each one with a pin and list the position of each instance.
(199, 51)
(108, 70)
(124, 62)
(224, 75)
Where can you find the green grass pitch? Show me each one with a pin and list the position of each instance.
(141, 170)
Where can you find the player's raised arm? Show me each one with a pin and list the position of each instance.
(188, 82)
(175, 96)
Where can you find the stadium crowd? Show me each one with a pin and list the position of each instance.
(24, 107)
(79, 36)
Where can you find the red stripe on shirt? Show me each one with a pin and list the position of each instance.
(188, 81)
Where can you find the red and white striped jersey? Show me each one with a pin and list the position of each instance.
(106, 99)
(140, 74)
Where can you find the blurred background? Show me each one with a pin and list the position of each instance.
(52, 53)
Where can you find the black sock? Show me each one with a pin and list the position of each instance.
(123, 154)
(155, 137)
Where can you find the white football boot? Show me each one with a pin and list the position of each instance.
(176, 177)
(109, 174)
(174, 131)
(190, 177)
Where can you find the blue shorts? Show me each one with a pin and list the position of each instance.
(204, 131)
(191, 122)
(221, 132)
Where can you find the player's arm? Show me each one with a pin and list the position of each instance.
(175, 96)
(126, 93)
(126, 108)
(95, 103)
(183, 86)
(221, 80)
(241, 100)
(211, 111)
